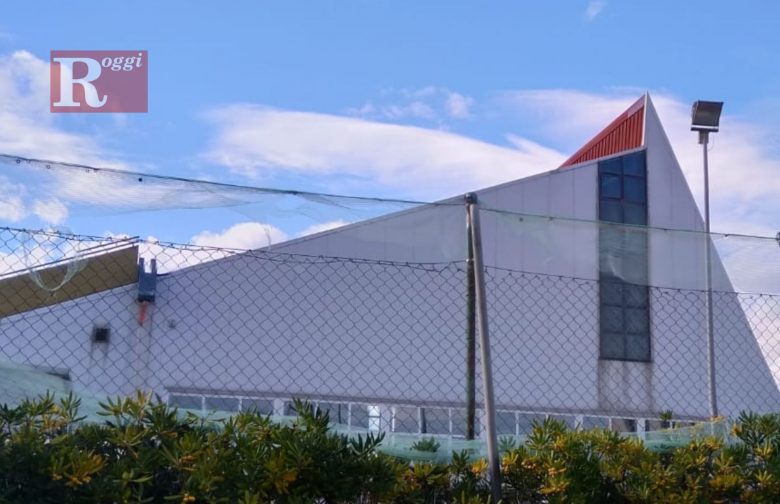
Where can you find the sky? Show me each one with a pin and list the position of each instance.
(398, 99)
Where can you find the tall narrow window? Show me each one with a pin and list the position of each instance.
(624, 315)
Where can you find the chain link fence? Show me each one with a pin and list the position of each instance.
(381, 344)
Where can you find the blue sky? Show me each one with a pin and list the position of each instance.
(400, 99)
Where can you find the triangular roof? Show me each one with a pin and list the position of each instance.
(626, 132)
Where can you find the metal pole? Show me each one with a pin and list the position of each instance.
(494, 467)
(471, 332)
(704, 138)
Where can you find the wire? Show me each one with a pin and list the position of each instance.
(140, 176)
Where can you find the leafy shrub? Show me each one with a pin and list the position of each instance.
(558, 465)
(426, 445)
(146, 451)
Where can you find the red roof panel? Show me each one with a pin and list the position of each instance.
(624, 133)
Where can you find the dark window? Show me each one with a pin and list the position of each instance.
(634, 189)
(506, 423)
(337, 412)
(624, 424)
(595, 422)
(624, 315)
(635, 215)
(610, 211)
(611, 185)
(359, 416)
(526, 421)
(289, 409)
(434, 421)
(260, 406)
(221, 403)
(459, 422)
(186, 402)
(406, 419)
(569, 421)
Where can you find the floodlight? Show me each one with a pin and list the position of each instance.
(705, 116)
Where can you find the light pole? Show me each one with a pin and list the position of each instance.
(705, 118)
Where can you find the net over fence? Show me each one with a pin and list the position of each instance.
(370, 313)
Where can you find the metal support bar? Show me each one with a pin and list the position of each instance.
(494, 467)
(471, 332)
(704, 140)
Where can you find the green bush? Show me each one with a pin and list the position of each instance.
(145, 451)
(427, 445)
(558, 465)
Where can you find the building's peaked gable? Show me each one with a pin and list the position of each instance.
(677, 260)
(676, 207)
(625, 133)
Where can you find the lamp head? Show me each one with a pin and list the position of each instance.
(705, 116)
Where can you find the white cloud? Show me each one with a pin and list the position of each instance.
(27, 127)
(243, 236)
(258, 141)
(593, 9)
(415, 109)
(459, 106)
(209, 246)
(52, 211)
(564, 116)
(323, 226)
(12, 207)
(430, 103)
(11, 263)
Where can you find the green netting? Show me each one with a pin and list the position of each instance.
(401, 445)
(19, 382)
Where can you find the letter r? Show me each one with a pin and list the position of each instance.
(67, 82)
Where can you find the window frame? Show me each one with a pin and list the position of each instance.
(631, 167)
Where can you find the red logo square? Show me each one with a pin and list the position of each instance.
(99, 81)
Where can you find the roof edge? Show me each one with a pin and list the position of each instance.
(625, 132)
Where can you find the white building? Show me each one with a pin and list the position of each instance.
(588, 321)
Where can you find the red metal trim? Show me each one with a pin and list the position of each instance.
(622, 134)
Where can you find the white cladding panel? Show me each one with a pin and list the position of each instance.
(425, 234)
(59, 337)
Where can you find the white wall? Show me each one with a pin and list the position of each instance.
(59, 337)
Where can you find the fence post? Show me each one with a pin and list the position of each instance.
(471, 332)
(494, 467)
